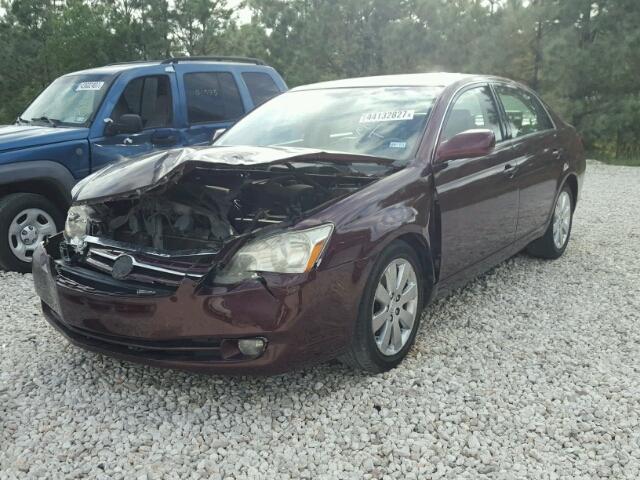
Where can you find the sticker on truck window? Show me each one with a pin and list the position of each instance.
(392, 116)
(89, 86)
(397, 144)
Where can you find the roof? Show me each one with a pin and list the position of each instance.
(115, 68)
(403, 80)
(120, 67)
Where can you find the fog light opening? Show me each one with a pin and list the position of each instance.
(252, 347)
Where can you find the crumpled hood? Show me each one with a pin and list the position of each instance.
(135, 176)
(14, 137)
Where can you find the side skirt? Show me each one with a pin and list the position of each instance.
(445, 287)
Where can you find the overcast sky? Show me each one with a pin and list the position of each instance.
(243, 14)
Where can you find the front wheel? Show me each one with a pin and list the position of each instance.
(25, 220)
(389, 313)
(555, 240)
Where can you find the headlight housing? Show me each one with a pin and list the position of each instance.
(76, 227)
(290, 252)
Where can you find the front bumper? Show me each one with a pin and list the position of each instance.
(305, 319)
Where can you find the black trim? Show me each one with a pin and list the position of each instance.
(184, 349)
(221, 58)
(39, 170)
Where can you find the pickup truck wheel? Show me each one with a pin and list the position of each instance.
(25, 220)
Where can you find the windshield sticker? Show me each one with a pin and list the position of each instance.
(392, 116)
(398, 145)
(89, 86)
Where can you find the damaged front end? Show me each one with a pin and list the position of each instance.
(204, 219)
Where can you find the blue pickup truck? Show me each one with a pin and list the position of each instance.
(86, 120)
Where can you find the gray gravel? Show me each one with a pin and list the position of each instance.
(531, 371)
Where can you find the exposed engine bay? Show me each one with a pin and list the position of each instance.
(207, 206)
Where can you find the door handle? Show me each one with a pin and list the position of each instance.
(164, 139)
(510, 169)
(557, 153)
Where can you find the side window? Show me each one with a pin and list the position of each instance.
(473, 109)
(525, 113)
(261, 87)
(212, 97)
(149, 97)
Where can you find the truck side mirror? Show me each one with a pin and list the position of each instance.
(129, 123)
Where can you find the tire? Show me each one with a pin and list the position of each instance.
(365, 352)
(43, 219)
(555, 240)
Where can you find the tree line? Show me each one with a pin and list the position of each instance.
(583, 56)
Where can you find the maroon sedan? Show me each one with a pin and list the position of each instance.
(318, 227)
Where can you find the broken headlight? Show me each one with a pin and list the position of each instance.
(76, 227)
(290, 252)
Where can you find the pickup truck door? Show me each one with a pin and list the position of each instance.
(153, 96)
(211, 100)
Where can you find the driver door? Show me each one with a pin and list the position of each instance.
(478, 197)
(151, 98)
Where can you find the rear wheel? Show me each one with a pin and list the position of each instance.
(25, 220)
(389, 311)
(555, 240)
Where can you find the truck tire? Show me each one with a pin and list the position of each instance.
(25, 220)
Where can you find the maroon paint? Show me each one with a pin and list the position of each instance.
(463, 215)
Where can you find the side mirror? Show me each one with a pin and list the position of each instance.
(129, 123)
(469, 144)
(217, 134)
(110, 128)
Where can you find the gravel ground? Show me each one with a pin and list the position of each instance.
(531, 371)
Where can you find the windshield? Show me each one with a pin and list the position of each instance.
(71, 100)
(385, 122)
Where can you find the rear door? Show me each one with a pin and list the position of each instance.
(538, 152)
(478, 197)
(211, 100)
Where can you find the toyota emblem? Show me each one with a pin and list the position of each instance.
(122, 267)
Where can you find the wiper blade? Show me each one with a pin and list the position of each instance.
(51, 121)
(23, 120)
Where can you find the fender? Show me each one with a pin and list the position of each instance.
(47, 171)
(564, 180)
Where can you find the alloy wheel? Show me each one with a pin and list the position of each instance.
(562, 220)
(395, 307)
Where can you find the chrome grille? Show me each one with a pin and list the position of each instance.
(145, 268)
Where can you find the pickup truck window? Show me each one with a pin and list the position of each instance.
(261, 87)
(212, 97)
(71, 100)
(149, 97)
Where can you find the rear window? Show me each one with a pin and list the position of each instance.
(525, 113)
(261, 87)
(212, 97)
